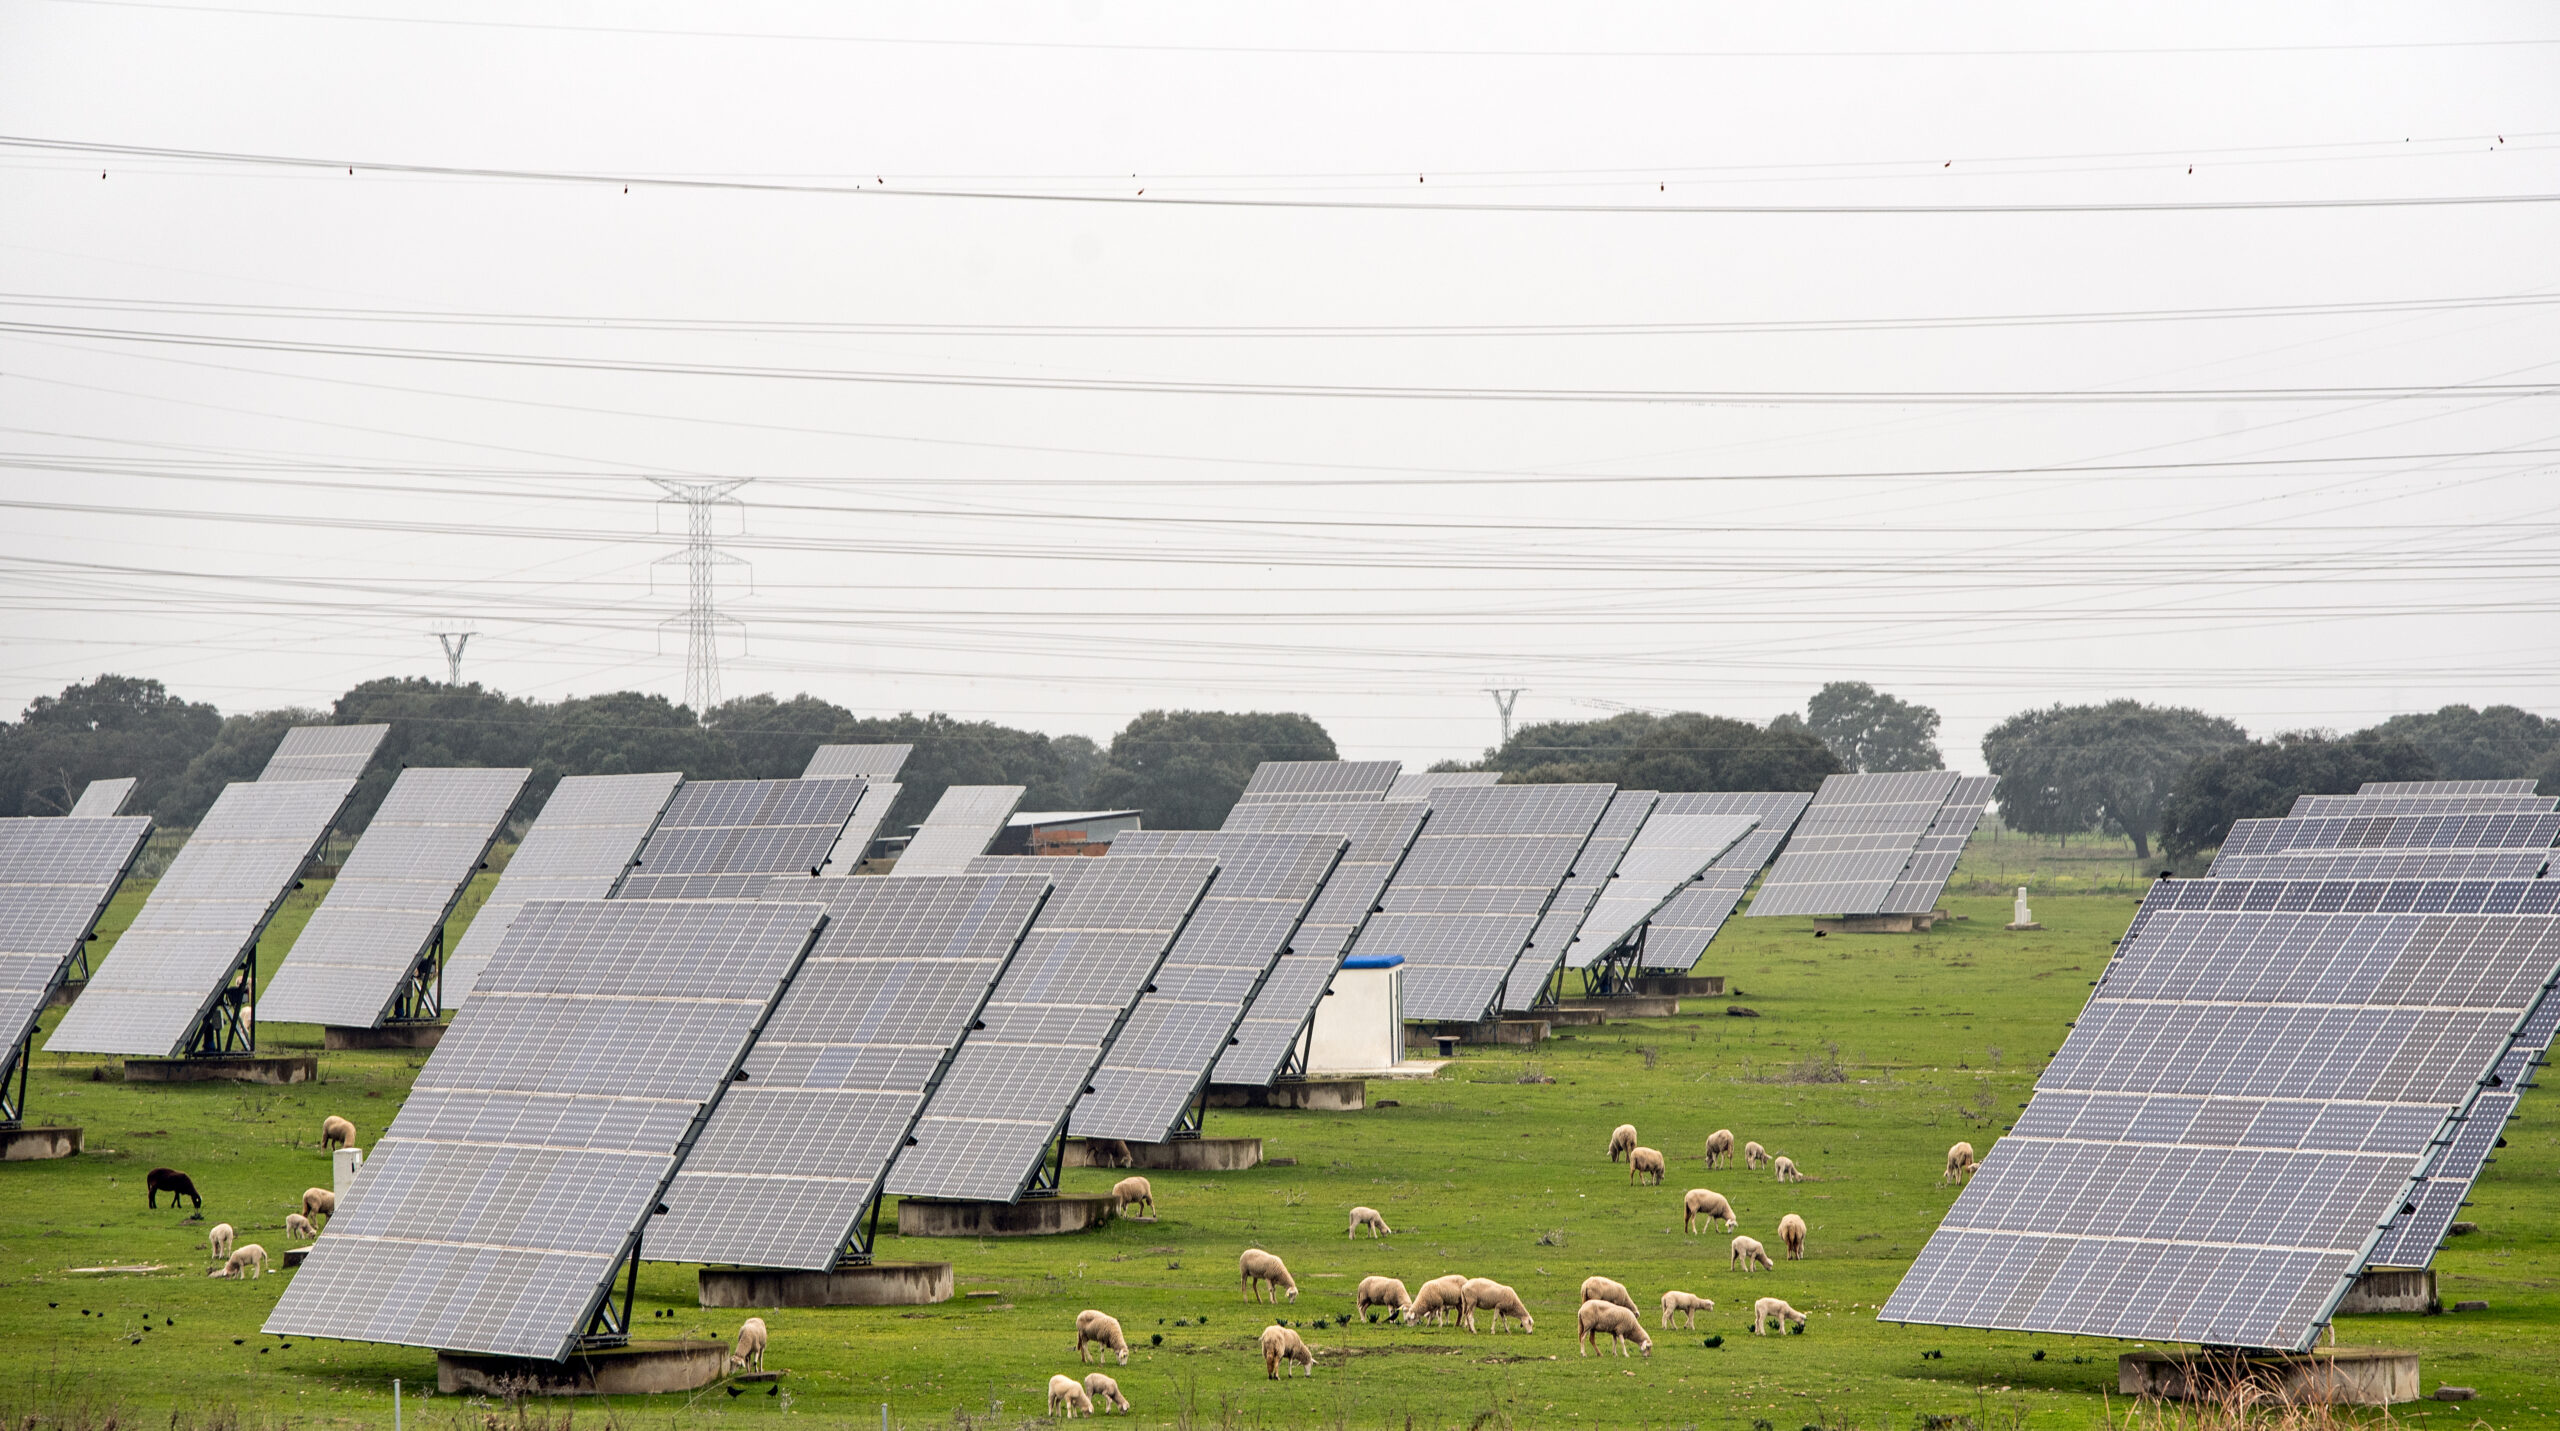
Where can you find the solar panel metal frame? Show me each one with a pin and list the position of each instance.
(1526, 987)
(959, 828)
(515, 1184)
(1853, 844)
(103, 799)
(1933, 860)
(863, 762)
(722, 839)
(324, 752)
(1417, 785)
(567, 831)
(1317, 782)
(356, 956)
(56, 881)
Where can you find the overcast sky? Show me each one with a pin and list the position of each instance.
(1698, 399)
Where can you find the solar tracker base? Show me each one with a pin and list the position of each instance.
(875, 1284)
(1879, 924)
(2336, 1376)
(1314, 1095)
(336, 1038)
(637, 1369)
(30, 1145)
(1182, 1155)
(1031, 1217)
(246, 1068)
(1479, 1031)
(2391, 1289)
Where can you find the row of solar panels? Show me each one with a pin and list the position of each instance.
(2292, 1073)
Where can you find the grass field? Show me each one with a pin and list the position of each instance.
(1870, 1056)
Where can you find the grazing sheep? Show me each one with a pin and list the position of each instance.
(1280, 1344)
(1439, 1299)
(1753, 1155)
(1702, 1207)
(247, 1254)
(1747, 1253)
(1788, 1172)
(319, 1203)
(1602, 1289)
(1685, 1306)
(1607, 1319)
(750, 1348)
(1644, 1161)
(1261, 1270)
(219, 1239)
(1372, 1219)
(1767, 1307)
(337, 1132)
(1133, 1191)
(296, 1225)
(1791, 1227)
(1384, 1292)
(1622, 1142)
(1105, 1391)
(1485, 1294)
(1719, 1147)
(169, 1180)
(1109, 1153)
(1960, 1164)
(1101, 1329)
(1067, 1397)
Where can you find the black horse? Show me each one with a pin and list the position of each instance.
(176, 1184)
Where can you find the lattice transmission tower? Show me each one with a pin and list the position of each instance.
(701, 560)
(1505, 697)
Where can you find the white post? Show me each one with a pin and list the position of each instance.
(347, 1160)
(395, 1404)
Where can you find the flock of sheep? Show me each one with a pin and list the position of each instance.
(248, 1259)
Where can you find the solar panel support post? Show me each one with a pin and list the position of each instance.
(1194, 1115)
(611, 1324)
(1052, 1169)
(865, 1235)
(421, 996)
(13, 1081)
(230, 1028)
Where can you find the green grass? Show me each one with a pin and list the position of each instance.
(1937, 1037)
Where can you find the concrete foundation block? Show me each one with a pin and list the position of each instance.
(1876, 924)
(1185, 1155)
(27, 1145)
(255, 1068)
(335, 1038)
(1627, 1006)
(1573, 1018)
(294, 1256)
(620, 1371)
(2391, 1289)
(1696, 985)
(1031, 1217)
(2339, 1376)
(1512, 1031)
(1315, 1095)
(881, 1284)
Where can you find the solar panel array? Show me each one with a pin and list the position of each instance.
(2446, 787)
(2315, 805)
(324, 752)
(723, 839)
(1670, 852)
(1934, 859)
(202, 917)
(2245, 1101)
(494, 1212)
(1677, 935)
(863, 828)
(2508, 845)
(1593, 870)
(103, 798)
(863, 762)
(2415, 1234)
(1470, 895)
(587, 835)
(959, 828)
(1161, 1060)
(1306, 782)
(1849, 852)
(1419, 784)
(56, 877)
(794, 1156)
(1270, 1039)
(1052, 1017)
(392, 896)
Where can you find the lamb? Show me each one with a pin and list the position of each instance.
(1486, 1294)
(318, 1203)
(1101, 1329)
(1767, 1307)
(1685, 1306)
(1703, 1206)
(246, 1255)
(1131, 1192)
(296, 1225)
(1372, 1219)
(750, 1348)
(219, 1239)
(1753, 1155)
(1622, 1142)
(1607, 1319)
(337, 1132)
(1791, 1227)
(1262, 1270)
(1641, 1162)
(1438, 1299)
(1719, 1147)
(1602, 1289)
(1105, 1391)
(1788, 1172)
(1384, 1292)
(1280, 1344)
(1067, 1396)
(1748, 1253)
(1960, 1164)
(169, 1180)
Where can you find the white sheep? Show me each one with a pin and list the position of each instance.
(1485, 1294)
(318, 1203)
(1262, 1270)
(1622, 1141)
(1719, 1147)
(1753, 1155)
(1686, 1306)
(1602, 1289)
(1384, 1292)
(1748, 1253)
(219, 1239)
(1791, 1228)
(296, 1225)
(1067, 1397)
(1787, 1170)
(750, 1348)
(1104, 1391)
(1607, 1319)
(1960, 1164)
(1439, 1299)
(1372, 1219)
(1767, 1307)
(337, 1132)
(1132, 1192)
(1280, 1344)
(1644, 1162)
(246, 1255)
(1102, 1330)
(1704, 1207)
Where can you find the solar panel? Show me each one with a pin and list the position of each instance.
(56, 877)
(1593, 869)
(1933, 861)
(863, 828)
(1419, 784)
(864, 762)
(1674, 938)
(2246, 1099)
(495, 1211)
(1669, 853)
(1306, 782)
(723, 839)
(2317, 805)
(1470, 895)
(961, 825)
(587, 835)
(324, 752)
(103, 798)
(2446, 787)
(2415, 1234)
(1850, 850)
(986, 1131)
(1145, 1086)
(2499, 845)
(178, 958)
(1270, 1042)
(792, 1159)
(359, 959)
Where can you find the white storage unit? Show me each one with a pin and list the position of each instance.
(1359, 1027)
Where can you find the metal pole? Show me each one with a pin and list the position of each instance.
(395, 1404)
(884, 1417)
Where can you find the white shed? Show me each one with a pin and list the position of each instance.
(1359, 1026)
